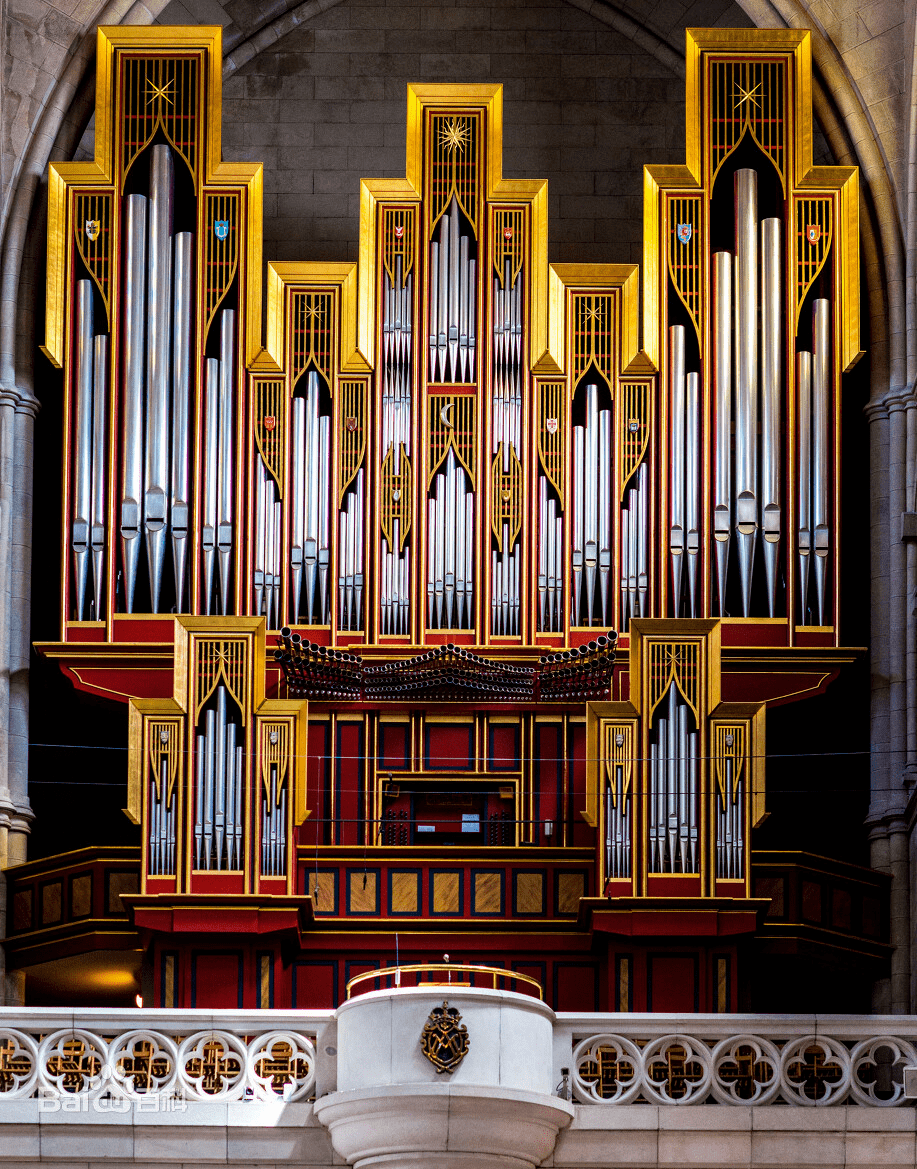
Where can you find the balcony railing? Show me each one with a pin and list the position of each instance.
(801, 1060)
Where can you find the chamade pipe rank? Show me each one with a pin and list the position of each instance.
(155, 471)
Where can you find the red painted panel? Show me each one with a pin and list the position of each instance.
(314, 985)
(317, 783)
(348, 781)
(503, 748)
(575, 987)
(394, 746)
(216, 980)
(673, 982)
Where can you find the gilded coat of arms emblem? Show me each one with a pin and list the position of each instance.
(684, 231)
(221, 228)
(813, 233)
(444, 1039)
(93, 226)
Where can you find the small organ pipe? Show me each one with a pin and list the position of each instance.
(82, 488)
(722, 376)
(579, 453)
(159, 295)
(771, 369)
(746, 375)
(99, 466)
(260, 557)
(821, 342)
(642, 539)
(135, 271)
(179, 502)
(804, 501)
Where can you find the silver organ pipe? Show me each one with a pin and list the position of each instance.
(155, 436)
(274, 826)
(220, 778)
(350, 557)
(746, 375)
(453, 301)
(506, 409)
(617, 829)
(722, 376)
(634, 572)
(821, 346)
(82, 479)
(99, 466)
(730, 823)
(310, 543)
(161, 835)
(159, 295)
(450, 511)
(211, 471)
(692, 485)
(266, 564)
(397, 416)
(227, 449)
(804, 500)
(771, 370)
(132, 431)
(592, 464)
(179, 502)
(677, 462)
(674, 803)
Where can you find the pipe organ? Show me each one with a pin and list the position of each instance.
(536, 562)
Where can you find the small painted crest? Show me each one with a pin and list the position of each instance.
(507, 233)
(399, 232)
(270, 421)
(444, 1039)
(506, 495)
(551, 425)
(633, 425)
(683, 232)
(93, 227)
(350, 424)
(813, 233)
(221, 228)
(396, 495)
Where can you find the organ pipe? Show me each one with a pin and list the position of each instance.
(746, 375)
(179, 502)
(310, 544)
(452, 299)
(821, 533)
(771, 370)
(132, 432)
(592, 465)
(82, 488)
(220, 783)
(722, 376)
(674, 798)
(449, 500)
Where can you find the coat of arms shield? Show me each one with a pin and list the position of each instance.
(93, 226)
(683, 232)
(813, 233)
(221, 228)
(444, 1039)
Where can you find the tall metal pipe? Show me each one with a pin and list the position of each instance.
(297, 536)
(209, 780)
(211, 473)
(692, 486)
(642, 539)
(771, 371)
(227, 450)
(590, 510)
(604, 488)
(135, 271)
(324, 552)
(804, 499)
(722, 380)
(579, 455)
(821, 532)
(179, 501)
(82, 478)
(159, 298)
(99, 466)
(677, 541)
(746, 375)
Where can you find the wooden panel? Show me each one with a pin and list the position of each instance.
(22, 910)
(570, 888)
(119, 883)
(529, 892)
(216, 980)
(315, 985)
(673, 983)
(363, 893)
(322, 888)
(488, 893)
(50, 903)
(405, 893)
(447, 890)
(81, 895)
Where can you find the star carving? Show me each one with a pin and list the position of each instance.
(159, 92)
(747, 95)
(454, 136)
